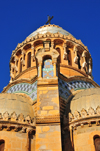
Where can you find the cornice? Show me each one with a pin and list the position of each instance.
(23, 72)
(16, 122)
(47, 119)
(84, 117)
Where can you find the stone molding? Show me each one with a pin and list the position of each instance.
(13, 117)
(16, 123)
(83, 117)
(48, 119)
(15, 126)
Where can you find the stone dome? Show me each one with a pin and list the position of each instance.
(86, 99)
(49, 28)
(15, 103)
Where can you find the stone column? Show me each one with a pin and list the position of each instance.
(40, 70)
(33, 57)
(52, 44)
(76, 57)
(65, 56)
(23, 59)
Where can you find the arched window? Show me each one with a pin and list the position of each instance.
(69, 57)
(2, 145)
(29, 60)
(47, 68)
(79, 65)
(59, 51)
(97, 142)
(20, 64)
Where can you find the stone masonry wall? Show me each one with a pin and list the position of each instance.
(48, 137)
(48, 101)
(16, 141)
(83, 137)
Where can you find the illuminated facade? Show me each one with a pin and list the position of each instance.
(51, 102)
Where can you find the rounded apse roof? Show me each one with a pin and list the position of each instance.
(15, 103)
(49, 28)
(89, 98)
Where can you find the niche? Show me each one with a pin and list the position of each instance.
(29, 60)
(47, 68)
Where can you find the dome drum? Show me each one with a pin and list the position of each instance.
(72, 52)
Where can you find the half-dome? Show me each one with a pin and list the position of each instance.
(15, 103)
(86, 99)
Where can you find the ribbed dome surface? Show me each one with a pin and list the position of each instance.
(49, 28)
(15, 103)
(84, 100)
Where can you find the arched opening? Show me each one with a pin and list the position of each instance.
(79, 65)
(69, 57)
(2, 145)
(27, 46)
(38, 42)
(97, 142)
(29, 60)
(47, 68)
(59, 51)
(17, 63)
(20, 64)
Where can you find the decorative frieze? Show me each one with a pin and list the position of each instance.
(83, 114)
(48, 119)
(13, 117)
(52, 35)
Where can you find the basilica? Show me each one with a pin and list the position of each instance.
(51, 102)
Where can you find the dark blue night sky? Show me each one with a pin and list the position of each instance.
(20, 18)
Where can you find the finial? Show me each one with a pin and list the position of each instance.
(49, 19)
